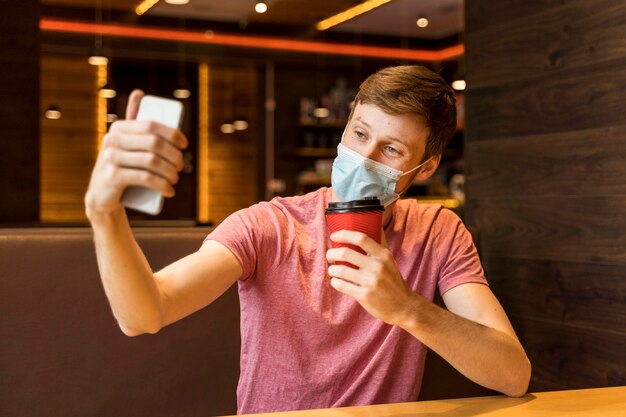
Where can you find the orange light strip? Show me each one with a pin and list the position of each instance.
(203, 177)
(102, 104)
(258, 42)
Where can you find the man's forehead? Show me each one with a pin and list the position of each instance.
(408, 129)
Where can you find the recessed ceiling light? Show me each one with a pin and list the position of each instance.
(422, 22)
(177, 1)
(260, 7)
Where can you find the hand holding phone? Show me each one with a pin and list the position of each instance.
(170, 113)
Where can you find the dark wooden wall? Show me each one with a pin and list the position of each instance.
(69, 145)
(546, 163)
(19, 101)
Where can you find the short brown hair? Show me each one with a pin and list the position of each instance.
(417, 90)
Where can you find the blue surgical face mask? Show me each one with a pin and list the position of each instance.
(354, 177)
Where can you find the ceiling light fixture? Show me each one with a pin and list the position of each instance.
(458, 85)
(144, 6)
(53, 112)
(260, 7)
(350, 14)
(107, 92)
(240, 124)
(182, 93)
(227, 128)
(96, 54)
(96, 58)
(177, 2)
(422, 22)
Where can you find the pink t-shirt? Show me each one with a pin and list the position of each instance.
(304, 344)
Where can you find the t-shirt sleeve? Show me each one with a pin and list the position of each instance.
(251, 235)
(460, 263)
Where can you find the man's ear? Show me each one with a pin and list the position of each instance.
(429, 169)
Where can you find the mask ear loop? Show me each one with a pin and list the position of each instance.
(403, 192)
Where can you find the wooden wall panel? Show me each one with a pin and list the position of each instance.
(233, 158)
(576, 34)
(567, 100)
(573, 357)
(546, 179)
(564, 228)
(571, 161)
(69, 145)
(585, 295)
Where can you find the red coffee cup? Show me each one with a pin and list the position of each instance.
(365, 216)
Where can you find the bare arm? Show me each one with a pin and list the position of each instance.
(145, 302)
(475, 336)
(147, 154)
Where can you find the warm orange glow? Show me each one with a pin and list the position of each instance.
(250, 41)
(102, 104)
(349, 14)
(145, 6)
(203, 144)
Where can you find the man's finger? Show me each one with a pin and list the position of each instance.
(133, 104)
(359, 239)
(346, 287)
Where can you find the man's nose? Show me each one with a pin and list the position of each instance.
(372, 152)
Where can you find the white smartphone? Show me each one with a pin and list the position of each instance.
(170, 113)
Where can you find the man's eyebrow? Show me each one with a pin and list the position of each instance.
(390, 138)
(358, 119)
(401, 142)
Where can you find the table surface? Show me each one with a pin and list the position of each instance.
(596, 402)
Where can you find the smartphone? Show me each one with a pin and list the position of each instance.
(170, 113)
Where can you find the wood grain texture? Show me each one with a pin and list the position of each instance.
(579, 229)
(565, 163)
(584, 295)
(578, 34)
(560, 101)
(546, 179)
(580, 358)
(69, 145)
(233, 158)
(606, 402)
(480, 15)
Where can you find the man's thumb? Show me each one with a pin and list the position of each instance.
(133, 104)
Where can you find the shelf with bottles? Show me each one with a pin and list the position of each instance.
(322, 121)
(316, 142)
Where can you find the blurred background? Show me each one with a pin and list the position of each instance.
(266, 86)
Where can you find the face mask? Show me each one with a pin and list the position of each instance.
(354, 177)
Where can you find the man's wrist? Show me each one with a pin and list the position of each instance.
(105, 219)
(409, 317)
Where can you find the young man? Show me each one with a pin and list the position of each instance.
(314, 333)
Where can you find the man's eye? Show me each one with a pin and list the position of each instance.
(391, 150)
